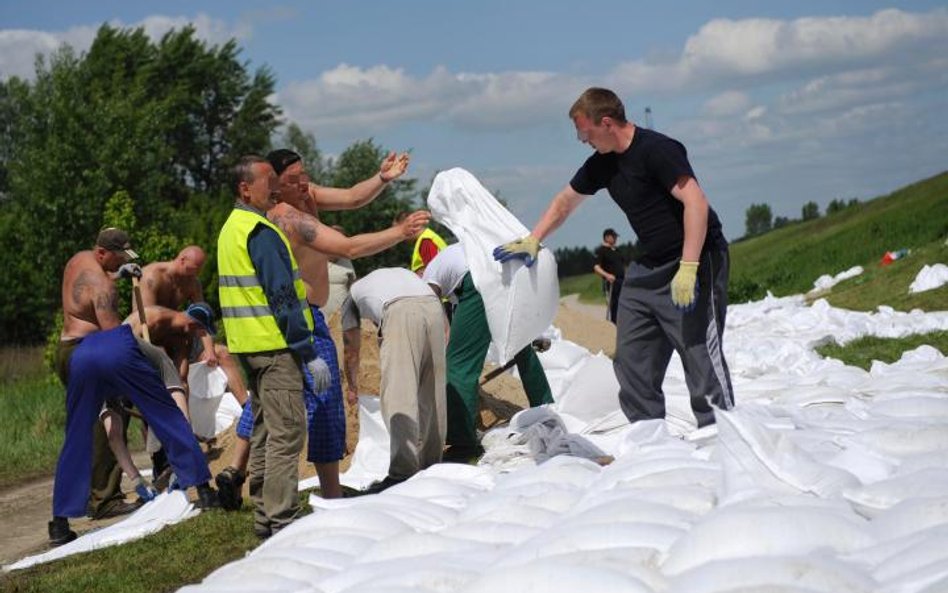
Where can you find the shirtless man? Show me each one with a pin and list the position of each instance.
(99, 358)
(173, 283)
(313, 243)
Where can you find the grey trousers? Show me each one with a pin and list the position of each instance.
(412, 360)
(650, 328)
(279, 432)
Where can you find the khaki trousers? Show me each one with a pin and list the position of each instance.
(412, 358)
(279, 432)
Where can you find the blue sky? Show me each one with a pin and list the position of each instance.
(779, 104)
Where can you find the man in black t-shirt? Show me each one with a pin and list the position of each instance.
(674, 298)
(611, 268)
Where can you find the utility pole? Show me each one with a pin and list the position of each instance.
(648, 117)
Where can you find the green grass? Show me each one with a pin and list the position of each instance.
(863, 351)
(889, 285)
(587, 286)
(175, 556)
(788, 260)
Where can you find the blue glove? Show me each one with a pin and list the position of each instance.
(144, 490)
(319, 371)
(525, 249)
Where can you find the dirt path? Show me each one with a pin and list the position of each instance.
(25, 509)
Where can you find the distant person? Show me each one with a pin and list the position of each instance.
(674, 298)
(449, 276)
(412, 331)
(610, 266)
(101, 359)
(270, 329)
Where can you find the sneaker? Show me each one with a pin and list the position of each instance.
(59, 532)
(229, 485)
(381, 485)
(116, 508)
(207, 498)
(262, 532)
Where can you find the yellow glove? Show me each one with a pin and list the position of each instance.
(684, 286)
(525, 249)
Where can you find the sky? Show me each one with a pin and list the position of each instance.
(777, 103)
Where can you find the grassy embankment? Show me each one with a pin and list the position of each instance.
(786, 261)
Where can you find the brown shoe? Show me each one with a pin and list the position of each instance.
(229, 484)
(116, 508)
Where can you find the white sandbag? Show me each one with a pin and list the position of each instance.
(911, 516)
(333, 544)
(412, 545)
(873, 498)
(429, 573)
(697, 500)
(810, 573)
(912, 407)
(256, 567)
(660, 472)
(562, 354)
(904, 438)
(267, 583)
(373, 451)
(362, 522)
(593, 392)
(520, 302)
(509, 510)
(929, 278)
(631, 509)
(638, 563)
(757, 460)
(572, 538)
(736, 532)
(491, 532)
(206, 389)
(550, 577)
(929, 549)
(558, 498)
(564, 469)
(326, 559)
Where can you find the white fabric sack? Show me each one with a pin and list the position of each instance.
(520, 302)
(207, 387)
(372, 455)
(593, 392)
(929, 277)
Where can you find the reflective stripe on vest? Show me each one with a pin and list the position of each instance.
(416, 261)
(245, 311)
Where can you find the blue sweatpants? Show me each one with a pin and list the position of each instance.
(110, 364)
(325, 414)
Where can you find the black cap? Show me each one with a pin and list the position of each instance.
(202, 313)
(608, 232)
(114, 239)
(282, 158)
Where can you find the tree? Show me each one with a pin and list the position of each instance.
(758, 219)
(810, 211)
(780, 222)
(162, 121)
(304, 144)
(835, 206)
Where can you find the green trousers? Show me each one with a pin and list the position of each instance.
(467, 348)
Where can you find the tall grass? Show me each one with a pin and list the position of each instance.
(32, 406)
(587, 286)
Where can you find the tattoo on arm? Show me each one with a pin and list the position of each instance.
(79, 286)
(306, 229)
(107, 300)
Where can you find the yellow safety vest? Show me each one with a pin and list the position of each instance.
(248, 320)
(416, 261)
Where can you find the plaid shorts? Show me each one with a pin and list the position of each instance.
(325, 414)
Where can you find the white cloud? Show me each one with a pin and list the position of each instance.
(19, 47)
(727, 103)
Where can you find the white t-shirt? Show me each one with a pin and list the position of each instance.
(370, 294)
(447, 269)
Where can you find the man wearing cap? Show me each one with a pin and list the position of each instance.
(98, 358)
(674, 297)
(313, 243)
(270, 328)
(610, 266)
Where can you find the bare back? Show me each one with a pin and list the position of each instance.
(90, 301)
(160, 286)
(300, 229)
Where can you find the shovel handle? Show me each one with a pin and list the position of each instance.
(137, 291)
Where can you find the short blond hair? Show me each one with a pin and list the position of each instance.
(597, 103)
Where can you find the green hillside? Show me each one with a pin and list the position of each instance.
(788, 260)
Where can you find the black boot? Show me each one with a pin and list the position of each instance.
(229, 484)
(207, 498)
(59, 532)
